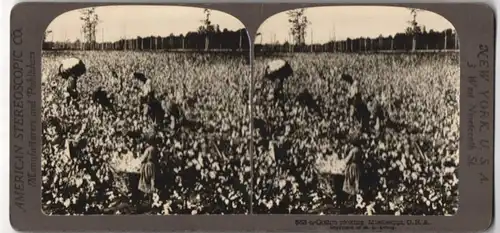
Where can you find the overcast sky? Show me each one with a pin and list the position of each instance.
(133, 21)
(326, 22)
(353, 22)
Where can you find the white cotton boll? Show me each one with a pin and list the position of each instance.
(282, 184)
(269, 204)
(275, 65)
(147, 88)
(67, 203)
(212, 174)
(166, 208)
(72, 67)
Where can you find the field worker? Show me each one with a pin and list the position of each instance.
(71, 93)
(100, 97)
(147, 91)
(155, 110)
(377, 112)
(152, 107)
(354, 96)
(346, 177)
(148, 171)
(74, 145)
(352, 172)
(357, 107)
(70, 69)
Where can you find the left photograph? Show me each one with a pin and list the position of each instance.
(145, 111)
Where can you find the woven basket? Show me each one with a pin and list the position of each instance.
(125, 170)
(331, 165)
(126, 163)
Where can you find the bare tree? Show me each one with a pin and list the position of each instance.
(207, 28)
(413, 29)
(45, 35)
(299, 23)
(90, 21)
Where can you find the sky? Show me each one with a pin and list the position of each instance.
(132, 21)
(352, 22)
(337, 22)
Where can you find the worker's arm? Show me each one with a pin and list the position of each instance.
(145, 155)
(348, 157)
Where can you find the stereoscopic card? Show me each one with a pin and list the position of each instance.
(289, 117)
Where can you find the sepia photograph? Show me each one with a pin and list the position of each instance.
(356, 112)
(145, 111)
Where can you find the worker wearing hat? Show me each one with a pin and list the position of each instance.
(71, 93)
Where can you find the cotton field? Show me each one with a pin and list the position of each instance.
(203, 149)
(410, 150)
(201, 115)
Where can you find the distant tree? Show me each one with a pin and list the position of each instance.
(413, 29)
(259, 34)
(206, 24)
(287, 45)
(45, 45)
(67, 44)
(380, 42)
(46, 34)
(299, 23)
(207, 28)
(90, 21)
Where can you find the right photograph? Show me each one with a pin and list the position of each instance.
(356, 112)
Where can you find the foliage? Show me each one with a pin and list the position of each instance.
(413, 27)
(299, 23)
(204, 168)
(207, 26)
(410, 164)
(90, 21)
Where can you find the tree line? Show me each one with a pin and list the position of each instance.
(210, 37)
(414, 38)
(425, 40)
(217, 40)
(238, 40)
